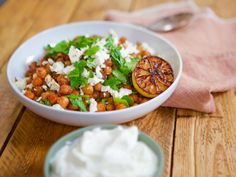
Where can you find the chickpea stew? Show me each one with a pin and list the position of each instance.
(92, 74)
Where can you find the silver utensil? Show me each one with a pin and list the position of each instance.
(172, 22)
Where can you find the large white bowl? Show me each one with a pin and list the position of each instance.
(32, 49)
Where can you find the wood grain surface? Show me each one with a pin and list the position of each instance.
(195, 144)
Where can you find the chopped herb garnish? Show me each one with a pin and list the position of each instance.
(45, 102)
(61, 47)
(109, 42)
(92, 51)
(119, 75)
(75, 76)
(77, 101)
(120, 100)
(128, 99)
(116, 57)
(113, 82)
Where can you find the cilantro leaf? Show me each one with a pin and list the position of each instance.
(61, 47)
(77, 102)
(45, 102)
(120, 100)
(109, 42)
(119, 75)
(75, 76)
(91, 51)
(116, 56)
(113, 82)
(82, 42)
(128, 99)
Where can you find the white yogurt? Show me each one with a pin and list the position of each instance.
(105, 153)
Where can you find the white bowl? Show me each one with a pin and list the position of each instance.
(32, 49)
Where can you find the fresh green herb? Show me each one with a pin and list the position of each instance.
(116, 56)
(119, 75)
(128, 99)
(77, 102)
(92, 51)
(113, 82)
(90, 63)
(45, 102)
(61, 47)
(122, 101)
(109, 42)
(75, 76)
(104, 101)
(82, 41)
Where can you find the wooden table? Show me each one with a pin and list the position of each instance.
(195, 144)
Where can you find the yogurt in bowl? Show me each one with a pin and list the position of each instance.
(105, 151)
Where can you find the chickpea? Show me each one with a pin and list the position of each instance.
(29, 94)
(134, 97)
(38, 91)
(88, 89)
(101, 107)
(47, 67)
(122, 40)
(143, 100)
(41, 72)
(110, 107)
(62, 80)
(110, 100)
(107, 70)
(44, 95)
(105, 94)
(108, 62)
(67, 63)
(127, 86)
(65, 90)
(58, 59)
(76, 92)
(29, 73)
(120, 106)
(96, 94)
(98, 87)
(33, 66)
(63, 101)
(72, 107)
(37, 81)
(52, 97)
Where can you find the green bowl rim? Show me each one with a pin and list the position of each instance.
(156, 148)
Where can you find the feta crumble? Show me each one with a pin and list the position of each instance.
(21, 84)
(57, 67)
(51, 83)
(75, 54)
(116, 94)
(57, 106)
(93, 105)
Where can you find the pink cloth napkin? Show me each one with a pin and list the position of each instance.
(208, 49)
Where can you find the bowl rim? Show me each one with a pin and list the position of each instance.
(56, 146)
(142, 29)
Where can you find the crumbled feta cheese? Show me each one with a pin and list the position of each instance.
(57, 106)
(128, 49)
(93, 81)
(52, 83)
(100, 57)
(50, 61)
(93, 105)
(29, 86)
(45, 87)
(115, 36)
(21, 84)
(98, 77)
(85, 73)
(39, 98)
(81, 91)
(116, 94)
(57, 67)
(44, 62)
(75, 54)
(68, 69)
(34, 75)
(148, 48)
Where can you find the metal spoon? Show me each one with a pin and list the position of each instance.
(172, 22)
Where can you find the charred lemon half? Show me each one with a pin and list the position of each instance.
(152, 76)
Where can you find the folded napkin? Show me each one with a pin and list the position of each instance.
(208, 49)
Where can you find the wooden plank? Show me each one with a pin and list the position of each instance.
(207, 146)
(34, 135)
(38, 22)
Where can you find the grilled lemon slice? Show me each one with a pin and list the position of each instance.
(152, 76)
